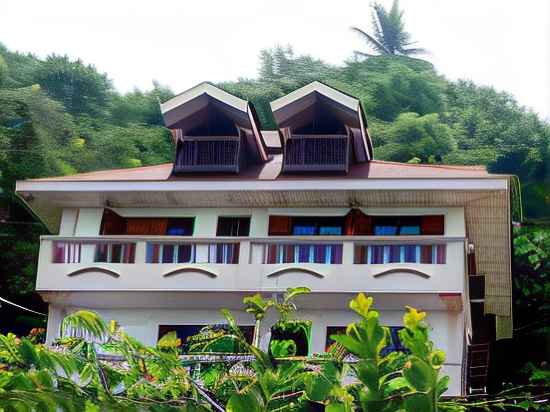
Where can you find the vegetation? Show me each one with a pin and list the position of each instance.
(73, 375)
(96, 366)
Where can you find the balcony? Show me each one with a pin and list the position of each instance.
(208, 154)
(415, 264)
(325, 153)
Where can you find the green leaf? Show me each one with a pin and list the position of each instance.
(249, 401)
(28, 353)
(317, 386)
(361, 304)
(419, 374)
(419, 403)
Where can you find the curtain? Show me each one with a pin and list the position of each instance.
(279, 225)
(433, 225)
(146, 226)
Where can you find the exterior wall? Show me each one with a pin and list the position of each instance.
(252, 275)
(447, 327)
(88, 220)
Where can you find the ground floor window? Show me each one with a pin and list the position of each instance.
(184, 332)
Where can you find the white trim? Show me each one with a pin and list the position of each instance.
(204, 88)
(318, 87)
(282, 185)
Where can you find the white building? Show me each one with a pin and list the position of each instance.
(244, 210)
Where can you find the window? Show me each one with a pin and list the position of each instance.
(408, 225)
(233, 226)
(185, 331)
(113, 224)
(306, 225)
(396, 225)
(356, 223)
(181, 226)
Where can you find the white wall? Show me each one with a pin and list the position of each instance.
(89, 219)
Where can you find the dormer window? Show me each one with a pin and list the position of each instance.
(214, 131)
(323, 130)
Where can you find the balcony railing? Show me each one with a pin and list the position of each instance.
(208, 154)
(90, 251)
(276, 252)
(434, 254)
(323, 263)
(161, 252)
(304, 153)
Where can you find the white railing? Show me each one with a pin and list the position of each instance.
(323, 263)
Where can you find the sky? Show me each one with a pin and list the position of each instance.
(501, 43)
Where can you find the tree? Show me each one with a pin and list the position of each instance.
(390, 37)
(413, 136)
(81, 89)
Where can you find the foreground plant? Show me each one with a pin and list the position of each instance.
(72, 376)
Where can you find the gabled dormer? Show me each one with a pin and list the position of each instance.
(322, 129)
(213, 131)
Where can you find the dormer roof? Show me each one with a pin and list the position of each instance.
(288, 109)
(188, 102)
(185, 113)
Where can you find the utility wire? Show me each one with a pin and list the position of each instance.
(21, 307)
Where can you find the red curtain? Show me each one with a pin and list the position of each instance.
(146, 226)
(357, 223)
(112, 223)
(279, 226)
(432, 225)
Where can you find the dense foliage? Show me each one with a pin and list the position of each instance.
(96, 366)
(73, 376)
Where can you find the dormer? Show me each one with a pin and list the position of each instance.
(322, 130)
(213, 131)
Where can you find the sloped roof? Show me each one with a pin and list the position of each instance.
(316, 86)
(289, 107)
(183, 112)
(204, 88)
(375, 169)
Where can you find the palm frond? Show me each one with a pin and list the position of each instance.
(371, 40)
(85, 324)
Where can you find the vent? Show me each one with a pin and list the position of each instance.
(208, 154)
(316, 153)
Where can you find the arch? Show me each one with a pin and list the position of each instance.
(183, 270)
(105, 271)
(284, 271)
(403, 270)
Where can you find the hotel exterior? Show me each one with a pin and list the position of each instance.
(242, 210)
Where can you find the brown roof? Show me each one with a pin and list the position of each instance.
(375, 169)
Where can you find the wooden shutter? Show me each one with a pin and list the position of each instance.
(146, 226)
(112, 223)
(279, 226)
(432, 225)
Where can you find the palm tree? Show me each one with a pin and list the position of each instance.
(390, 37)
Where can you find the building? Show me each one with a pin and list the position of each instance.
(242, 210)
